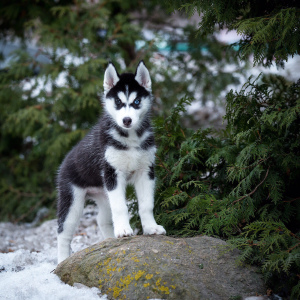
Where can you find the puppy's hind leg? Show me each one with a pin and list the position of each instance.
(70, 206)
(104, 217)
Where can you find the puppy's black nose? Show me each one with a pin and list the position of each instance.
(127, 121)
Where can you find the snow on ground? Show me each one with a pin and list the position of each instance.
(28, 257)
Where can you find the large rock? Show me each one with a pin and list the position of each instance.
(147, 267)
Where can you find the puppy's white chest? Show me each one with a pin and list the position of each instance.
(130, 160)
(134, 157)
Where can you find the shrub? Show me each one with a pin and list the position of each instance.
(240, 184)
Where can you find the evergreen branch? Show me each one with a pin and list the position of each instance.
(295, 236)
(250, 166)
(22, 194)
(162, 165)
(292, 200)
(181, 208)
(292, 248)
(253, 190)
(295, 246)
(182, 133)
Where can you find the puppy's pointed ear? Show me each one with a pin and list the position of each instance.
(111, 77)
(142, 76)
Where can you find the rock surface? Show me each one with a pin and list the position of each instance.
(160, 267)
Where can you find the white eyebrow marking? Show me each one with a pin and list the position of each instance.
(122, 97)
(132, 96)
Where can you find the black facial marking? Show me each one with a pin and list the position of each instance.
(116, 144)
(109, 140)
(144, 126)
(149, 142)
(121, 132)
(127, 83)
(119, 104)
(110, 177)
(151, 173)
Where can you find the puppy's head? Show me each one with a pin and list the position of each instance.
(127, 97)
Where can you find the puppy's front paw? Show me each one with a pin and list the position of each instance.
(123, 231)
(155, 229)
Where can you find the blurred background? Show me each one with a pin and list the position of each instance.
(53, 55)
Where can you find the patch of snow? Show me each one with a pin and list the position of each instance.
(29, 256)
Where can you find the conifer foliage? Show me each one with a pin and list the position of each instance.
(242, 185)
(50, 99)
(269, 29)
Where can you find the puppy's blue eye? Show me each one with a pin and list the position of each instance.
(118, 101)
(137, 102)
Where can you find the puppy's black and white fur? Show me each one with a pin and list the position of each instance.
(119, 149)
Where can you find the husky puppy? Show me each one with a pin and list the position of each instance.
(118, 150)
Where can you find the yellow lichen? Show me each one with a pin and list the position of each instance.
(135, 259)
(116, 291)
(127, 279)
(109, 269)
(146, 284)
(107, 261)
(172, 243)
(139, 274)
(164, 289)
(149, 276)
